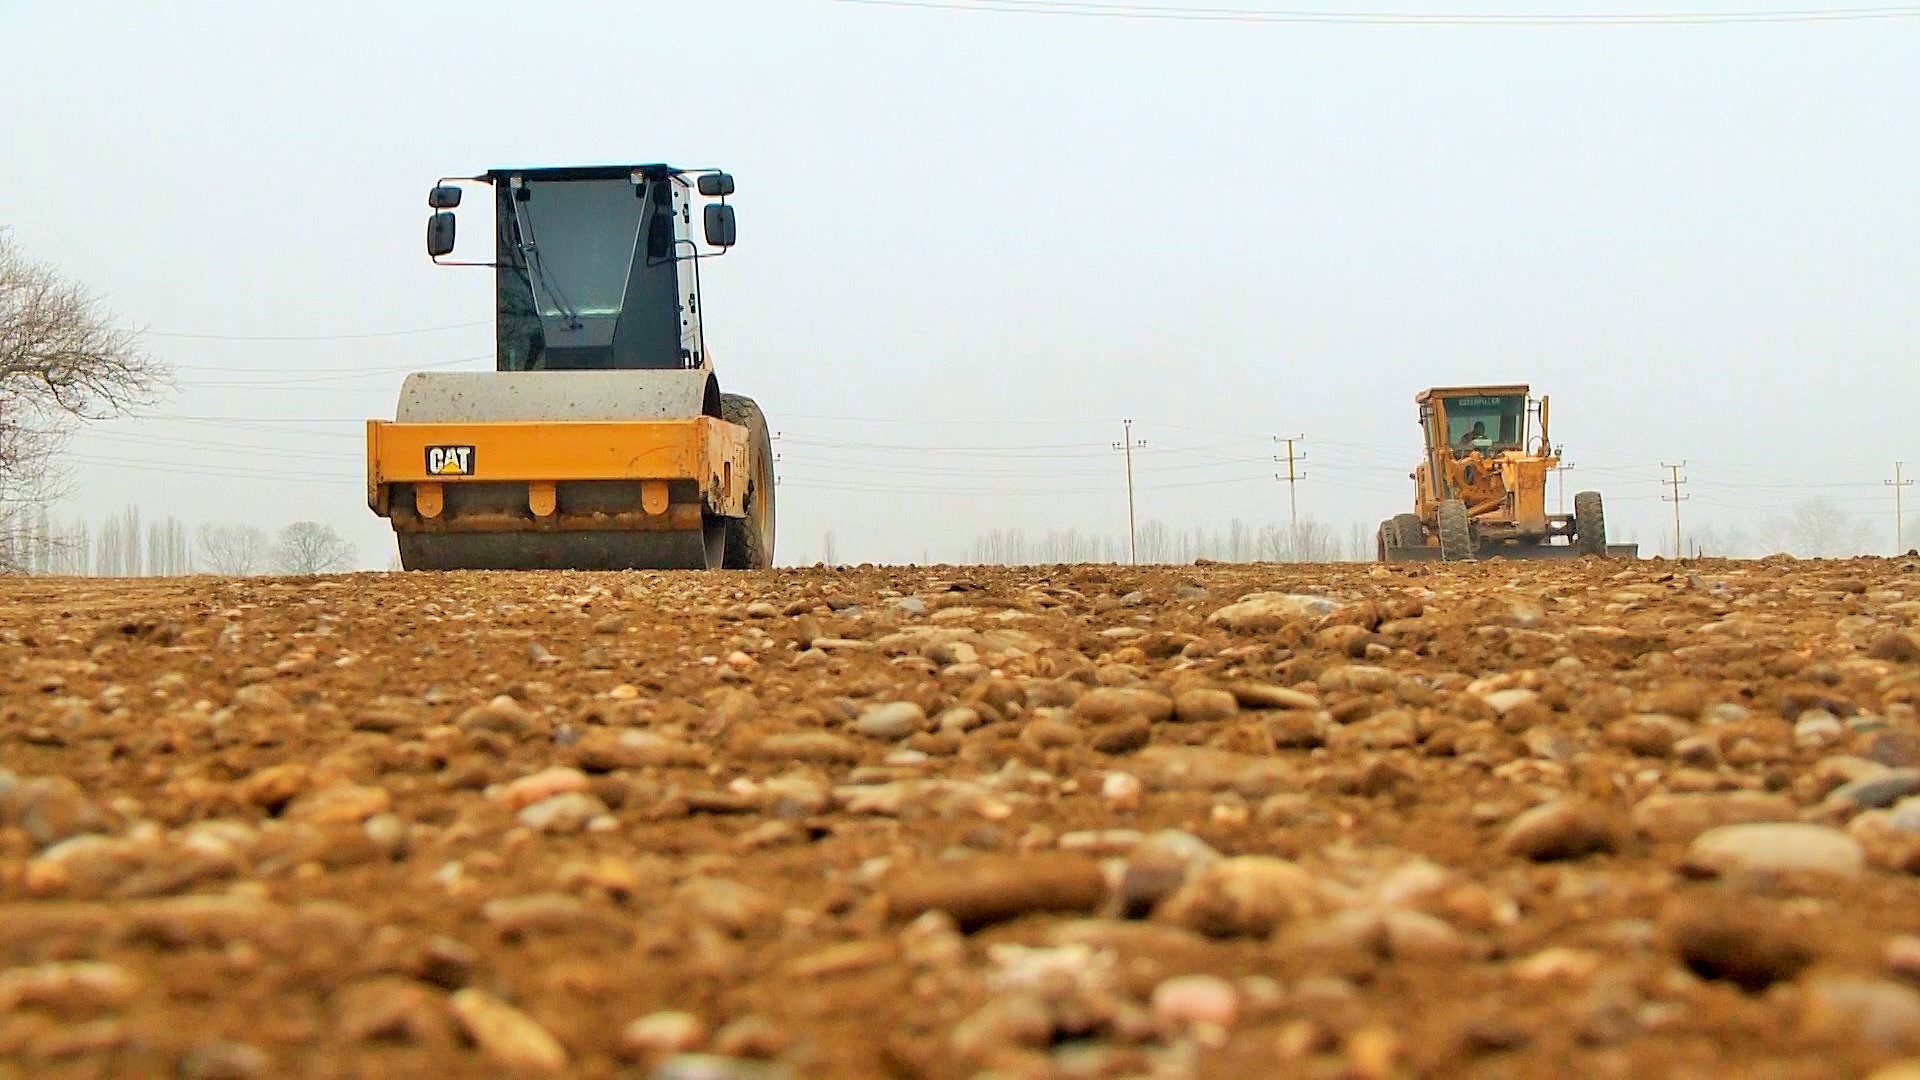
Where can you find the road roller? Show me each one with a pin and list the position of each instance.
(602, 439)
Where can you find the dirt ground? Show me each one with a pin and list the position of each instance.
(1589, 818)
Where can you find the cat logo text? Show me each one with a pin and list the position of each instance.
(450, 460)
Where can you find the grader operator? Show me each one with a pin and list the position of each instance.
(1480, 489)
(602, 441)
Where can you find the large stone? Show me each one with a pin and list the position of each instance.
(1268, 611)
(508, 1036)
(987, 889)
(1112, 704)
(1564, 829)
(893, 720)
(1774, 849)
(1670, 817)
(1251, 895)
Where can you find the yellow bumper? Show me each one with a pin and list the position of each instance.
(626, 474)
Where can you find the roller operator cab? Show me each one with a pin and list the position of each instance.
(602, 439)
(1480, 489)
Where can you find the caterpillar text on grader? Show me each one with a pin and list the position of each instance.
(602, 440)
(1480, 489)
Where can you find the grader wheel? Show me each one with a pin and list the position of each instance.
(1405, 531)
(1589, 524)
(1456, 533)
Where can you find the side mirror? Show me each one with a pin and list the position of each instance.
(716, 185)
(440, 234)
(444, 197)
(719, 222)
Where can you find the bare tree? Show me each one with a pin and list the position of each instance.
(108, 560)
(1817, 528)
(308, 547)
(1153, 542)
(130, 540)
(234, 550)
(62, 358)
(828, 554)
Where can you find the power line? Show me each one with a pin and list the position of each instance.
(331, 370)
(311, 337)
(1164, 13)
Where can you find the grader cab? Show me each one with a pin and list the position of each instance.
(1480, 489)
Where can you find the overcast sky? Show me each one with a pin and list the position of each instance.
(971, 243)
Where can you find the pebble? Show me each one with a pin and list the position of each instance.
(751, 1037)
(1268, 611)
(1564, 829)
(1556, 964)
(986, 889)
(346, 804)
(1205, 706)
(1196, 999)
(1267, 696)
(1898, 646)
(735, 908)
(75, 988)
(1882, 1014)
(1668, 817)
(388, 834)
(893, 720)
(1902, 957)
(1122, 738)
(1111, 704)
(1158, 866)
(567, 813)
(1249, 895)
(1897, 749)
(224, 1061)
(391, 1008)
(527, 790)
(1121, 790)
(1774, 849)
(1744, 944)
(1816, 728)
(508, 1036)
(819, 747)
(1875, 792)
(661, 1033)
(1506, 701)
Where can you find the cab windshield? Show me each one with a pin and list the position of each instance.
(1486, 422)
(579, 237)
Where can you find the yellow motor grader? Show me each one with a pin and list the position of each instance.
(1480, 489)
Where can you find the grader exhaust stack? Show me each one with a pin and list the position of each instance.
(601, 440)
(1480, 489)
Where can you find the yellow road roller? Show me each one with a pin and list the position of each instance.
(602, 440)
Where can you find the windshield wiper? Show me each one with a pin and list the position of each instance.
(530, 252)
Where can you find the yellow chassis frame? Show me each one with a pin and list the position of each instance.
(712, 454)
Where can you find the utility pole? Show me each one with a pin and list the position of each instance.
(1128, 445)
(1899, 522)
(1293, 477)
(1673, 481)
(1560, 474)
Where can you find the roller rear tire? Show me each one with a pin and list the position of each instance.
(749, 539)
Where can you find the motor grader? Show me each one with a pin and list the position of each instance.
(602, 440)
(1480, 489)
